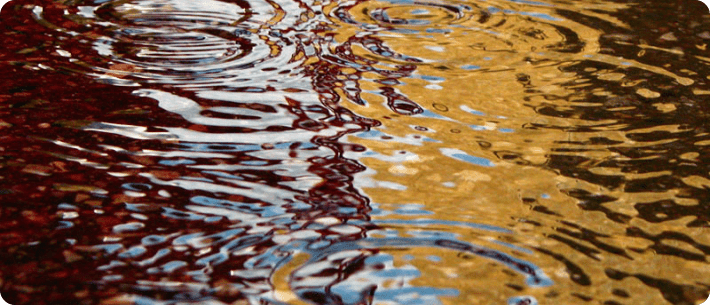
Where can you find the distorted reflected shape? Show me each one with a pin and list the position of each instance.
(166, 50)
(424, 222)
(523, 300)
(430, 114)
(402, 13)
(418, 14)
(244, 117)
(181, 42)
(461, 33)
(410, 139)
(181, 13)
(257, 121)
(372, 274)
(463, 156)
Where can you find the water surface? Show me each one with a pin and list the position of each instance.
(354, 152)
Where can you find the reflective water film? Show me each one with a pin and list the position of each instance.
(354, 152)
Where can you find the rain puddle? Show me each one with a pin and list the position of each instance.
(354, 152)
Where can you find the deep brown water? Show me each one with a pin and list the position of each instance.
(354, 152)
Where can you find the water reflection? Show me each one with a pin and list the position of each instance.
(352, 152)
(570, 129)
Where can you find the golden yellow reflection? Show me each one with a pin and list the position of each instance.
(505, 90)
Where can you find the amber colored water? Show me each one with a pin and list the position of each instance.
(354, 152)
